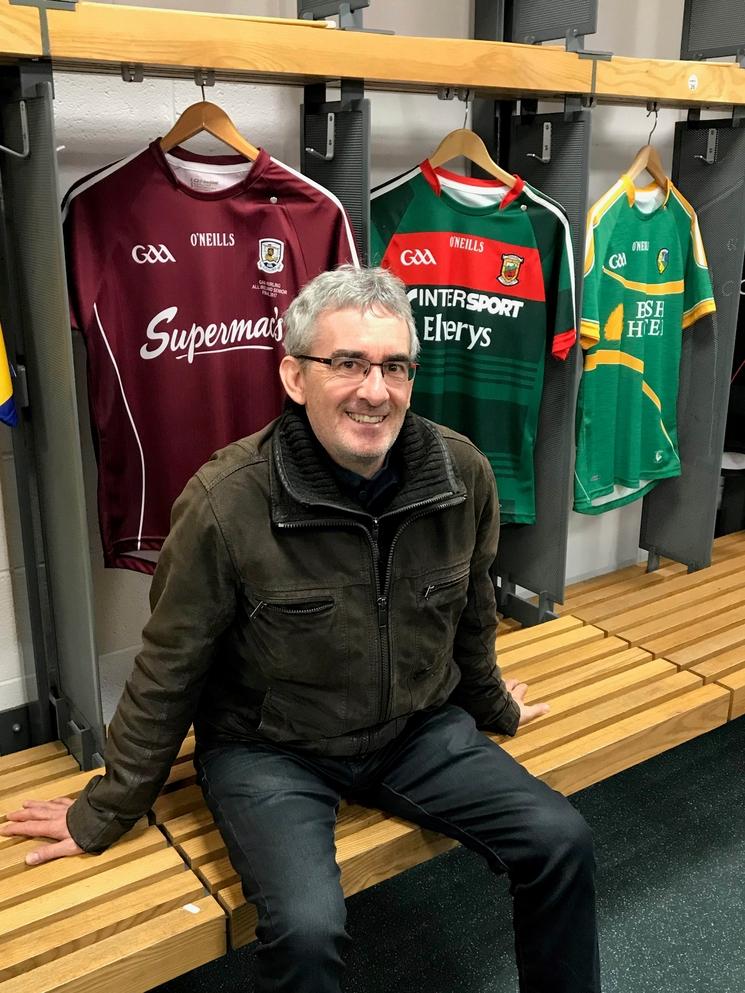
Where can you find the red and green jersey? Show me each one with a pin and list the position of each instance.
(646, 280)
(490, 279)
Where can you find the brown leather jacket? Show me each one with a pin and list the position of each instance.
(273, 618)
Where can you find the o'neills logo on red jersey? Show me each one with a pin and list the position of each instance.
(186, 343)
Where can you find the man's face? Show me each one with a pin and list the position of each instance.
(356, 422)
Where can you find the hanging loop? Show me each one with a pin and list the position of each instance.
(204, 77)
(25, 144)
(653, 108)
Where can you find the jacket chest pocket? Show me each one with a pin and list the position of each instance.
(440, 601)
(301, 638)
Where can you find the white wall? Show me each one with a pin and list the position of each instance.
(101, 118)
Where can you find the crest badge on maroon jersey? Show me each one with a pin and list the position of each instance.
(510, 273)
(271, 255)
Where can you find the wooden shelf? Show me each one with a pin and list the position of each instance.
(102, 36)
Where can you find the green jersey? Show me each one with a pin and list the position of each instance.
(490, 278)
(646, 280)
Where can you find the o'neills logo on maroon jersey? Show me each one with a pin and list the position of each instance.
(186, 343)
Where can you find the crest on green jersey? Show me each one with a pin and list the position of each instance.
(663, 257)
(510, 269)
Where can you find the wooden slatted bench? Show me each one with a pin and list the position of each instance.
(630, 671)
(88, 922)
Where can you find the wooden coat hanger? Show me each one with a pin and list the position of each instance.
(468, 144)
(206, 116)
(648, 158)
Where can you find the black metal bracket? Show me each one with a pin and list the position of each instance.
(132, 72)
(349, 13)
(528, 614)
(43, 6)
(204, 77)
(352, 91)
(25, 143)
(545, 157)
(576, 43)
(80, 740)
(712, 142)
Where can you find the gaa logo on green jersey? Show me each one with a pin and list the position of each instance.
(663, 257)
(510, 269)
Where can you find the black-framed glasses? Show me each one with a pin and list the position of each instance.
(397, 371)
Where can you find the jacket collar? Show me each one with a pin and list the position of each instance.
(304, 489)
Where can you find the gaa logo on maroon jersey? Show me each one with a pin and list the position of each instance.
(271, 255)
(417, 256)
(151, 253)
(510, 269)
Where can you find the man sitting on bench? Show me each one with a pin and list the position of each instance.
(323, 612)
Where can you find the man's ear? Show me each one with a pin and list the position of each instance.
(291, 374)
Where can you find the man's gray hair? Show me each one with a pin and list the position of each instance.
(375, 291)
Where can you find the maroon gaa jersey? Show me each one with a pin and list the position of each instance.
(180, 267)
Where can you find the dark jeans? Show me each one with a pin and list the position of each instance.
(277, 808)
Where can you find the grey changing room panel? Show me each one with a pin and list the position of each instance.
(679, 514)
(534, 556)
(34, 236)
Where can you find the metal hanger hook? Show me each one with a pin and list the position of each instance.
(204, 98)
(465, 116)
(653, 109)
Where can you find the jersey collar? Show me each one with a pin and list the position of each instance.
(631, 189)
(432, 175)
(244, 184)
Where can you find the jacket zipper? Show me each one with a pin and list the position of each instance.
(443, 585)
(280, 608)
(424, 507)
(428, 506)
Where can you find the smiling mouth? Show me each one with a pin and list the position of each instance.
(366, 418)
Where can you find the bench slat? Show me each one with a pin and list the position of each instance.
(735, 685)
(137, 959)
(595, 647)
(602, 714)
(721, 665)
(549, 647)
(549, 687)
(36, 756)
(36, 881)
(664, 622)
(39, 908)
(593, 757)
(537, 632)
(181, 801)
(29, 777)
(715, 578)
(83, 929)
(724, 633)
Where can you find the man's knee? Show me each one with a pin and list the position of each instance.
(558, 835)
(308, 926)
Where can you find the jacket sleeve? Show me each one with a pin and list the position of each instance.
(481, 690)
(193, 599)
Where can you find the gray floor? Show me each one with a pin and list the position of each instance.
(670, 840)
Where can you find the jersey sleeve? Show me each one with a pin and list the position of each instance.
(589, 330)
(698, 295)
(84, 268)
(565, 329)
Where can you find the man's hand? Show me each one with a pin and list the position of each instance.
(43, 819)
(528, 711)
